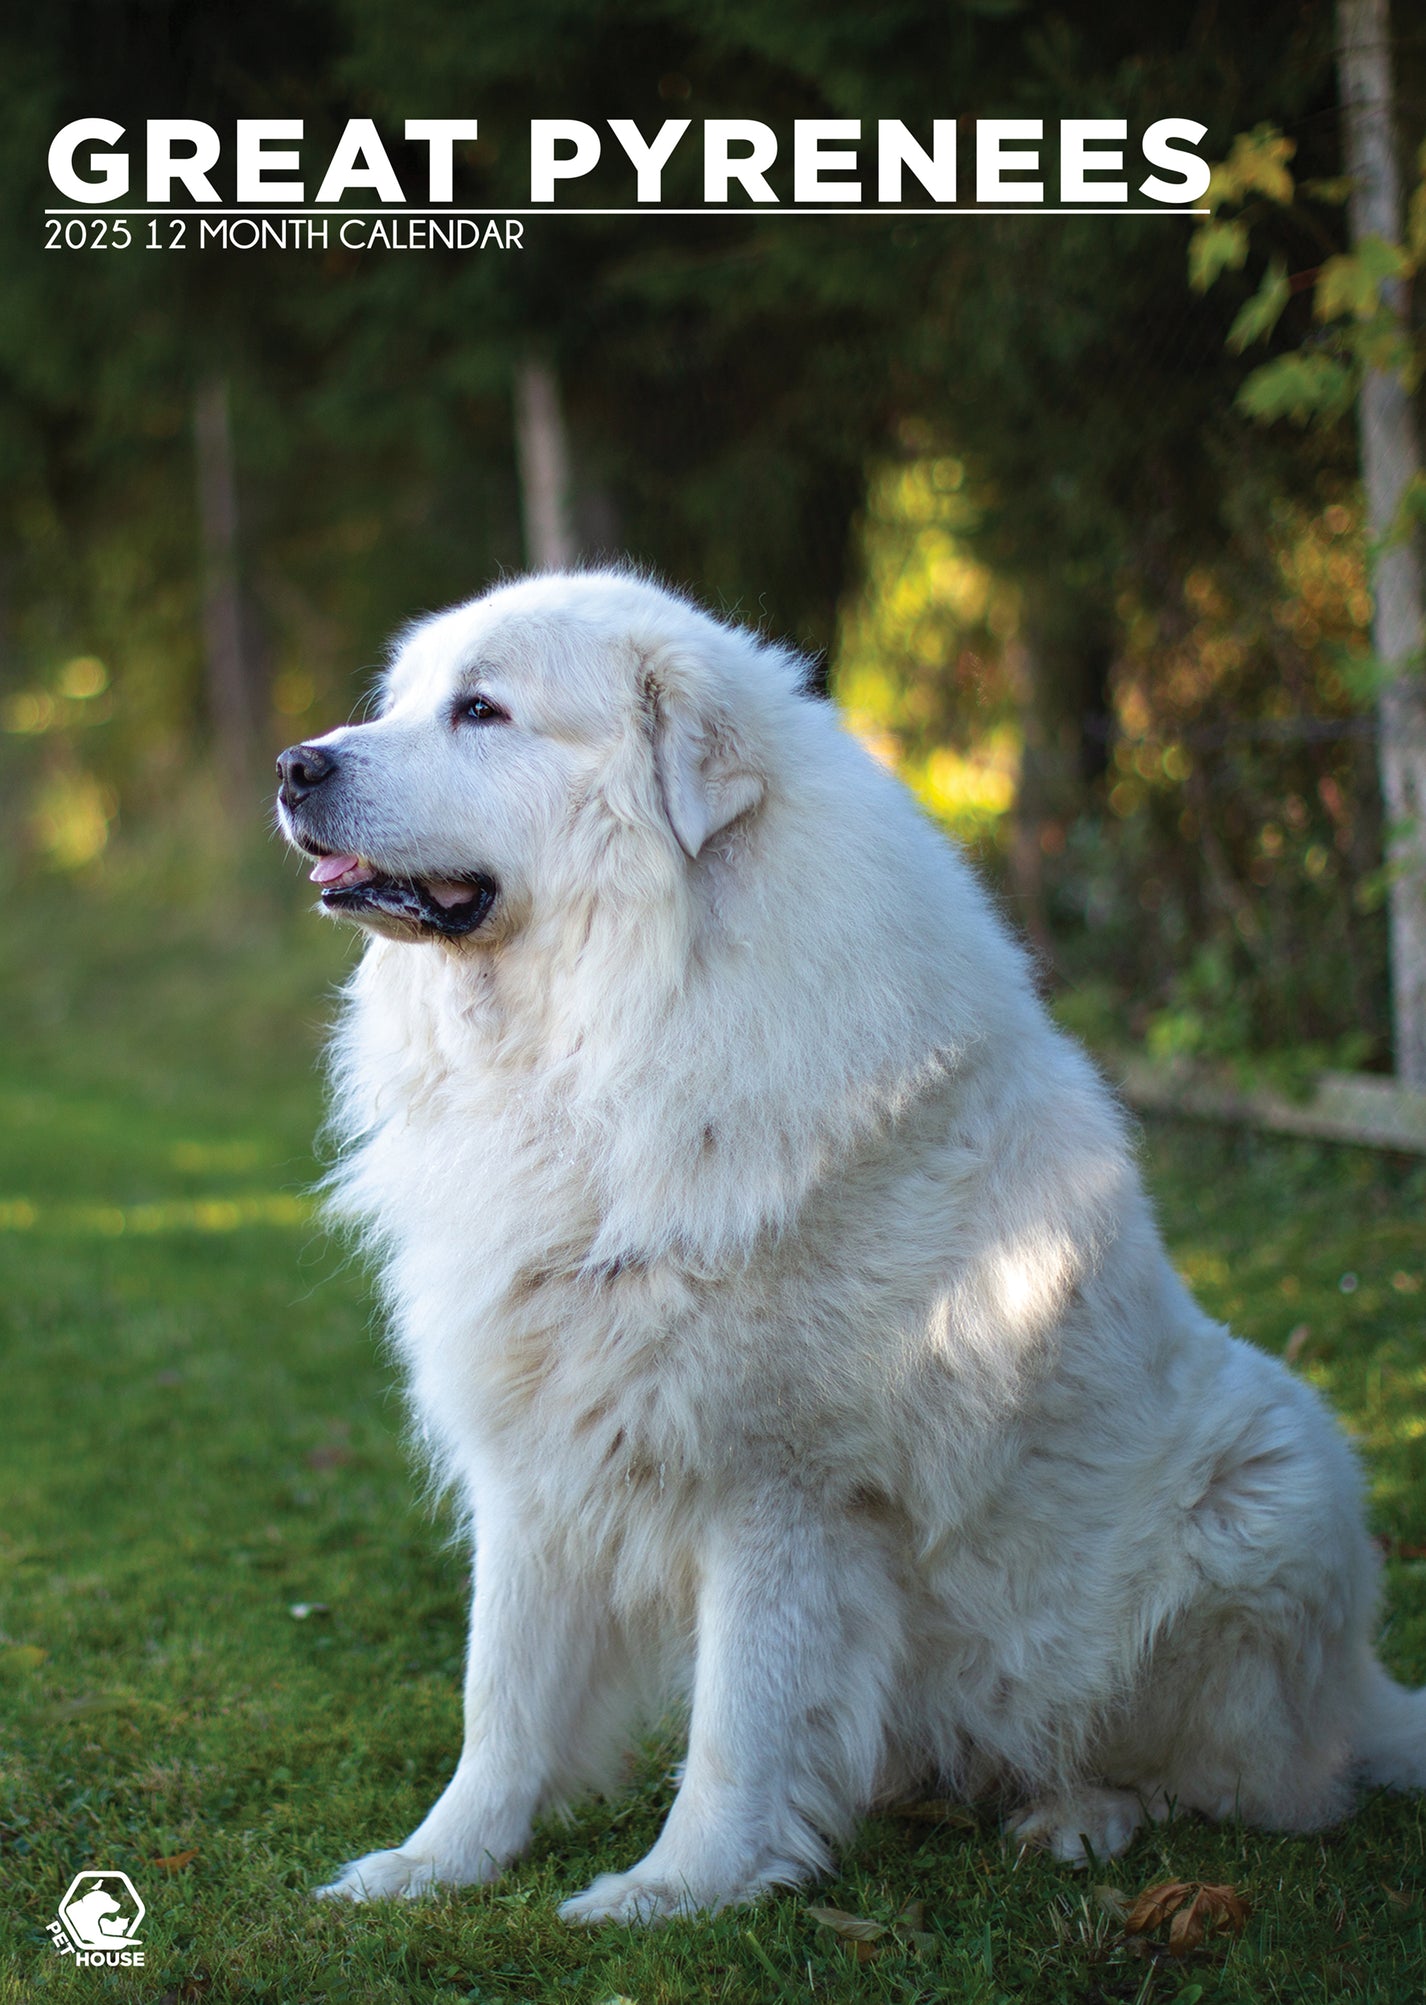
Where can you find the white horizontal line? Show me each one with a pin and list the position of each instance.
(650, 209)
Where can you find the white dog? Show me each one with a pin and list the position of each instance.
(775, 1284)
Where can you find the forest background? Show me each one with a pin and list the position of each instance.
(1000, 476)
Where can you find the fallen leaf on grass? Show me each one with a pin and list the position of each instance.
(1155, 1905)
(910, 1928)
(1191, 1908)
(866, 1939)
(852, 1927)
(176, 1861)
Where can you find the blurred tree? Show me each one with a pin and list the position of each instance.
(1391, 475)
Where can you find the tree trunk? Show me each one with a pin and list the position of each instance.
(1065, 713)
(542, 448)
(1390, 458)
(232, 698)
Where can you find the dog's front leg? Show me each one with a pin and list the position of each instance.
(799, 1628)
(533, 1637)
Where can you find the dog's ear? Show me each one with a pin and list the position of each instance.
(705, 778)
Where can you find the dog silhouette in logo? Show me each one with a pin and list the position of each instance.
(95, 1919)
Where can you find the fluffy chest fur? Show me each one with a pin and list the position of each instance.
(914, 1291)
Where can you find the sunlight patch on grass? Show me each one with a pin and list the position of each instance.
(111, 1221)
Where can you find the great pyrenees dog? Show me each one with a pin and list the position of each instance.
(777, 1290)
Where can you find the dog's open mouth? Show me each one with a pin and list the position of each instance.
(449, 906)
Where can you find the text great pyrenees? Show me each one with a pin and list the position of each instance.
(776, 1286)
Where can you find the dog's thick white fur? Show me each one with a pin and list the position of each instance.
(776, 1285)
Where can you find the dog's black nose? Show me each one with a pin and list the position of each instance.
(302, 767)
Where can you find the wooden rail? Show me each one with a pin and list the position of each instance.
(1358, 1107)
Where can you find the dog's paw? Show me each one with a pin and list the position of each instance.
(627, 1897)
(1096, 1821)
(388, 1876)
(641, 1897)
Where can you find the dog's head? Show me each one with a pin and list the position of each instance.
(591, 702)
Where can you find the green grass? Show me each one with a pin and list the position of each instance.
(202, 1434)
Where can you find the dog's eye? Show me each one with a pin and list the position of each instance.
(480, 710)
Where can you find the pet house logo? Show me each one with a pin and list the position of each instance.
(99, 1920)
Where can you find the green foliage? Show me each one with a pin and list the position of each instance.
(1215, 248)
(1350, 284)
(1211, 889)
(917, 670)
(1257, 317)
(1354, 292)
(1257, 164)
(1209, 1014)
(1308, 388)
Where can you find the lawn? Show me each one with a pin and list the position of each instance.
(231, 1635)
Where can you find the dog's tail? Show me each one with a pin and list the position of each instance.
(1391, 1739)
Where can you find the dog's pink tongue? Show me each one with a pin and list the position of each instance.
(340, 870)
